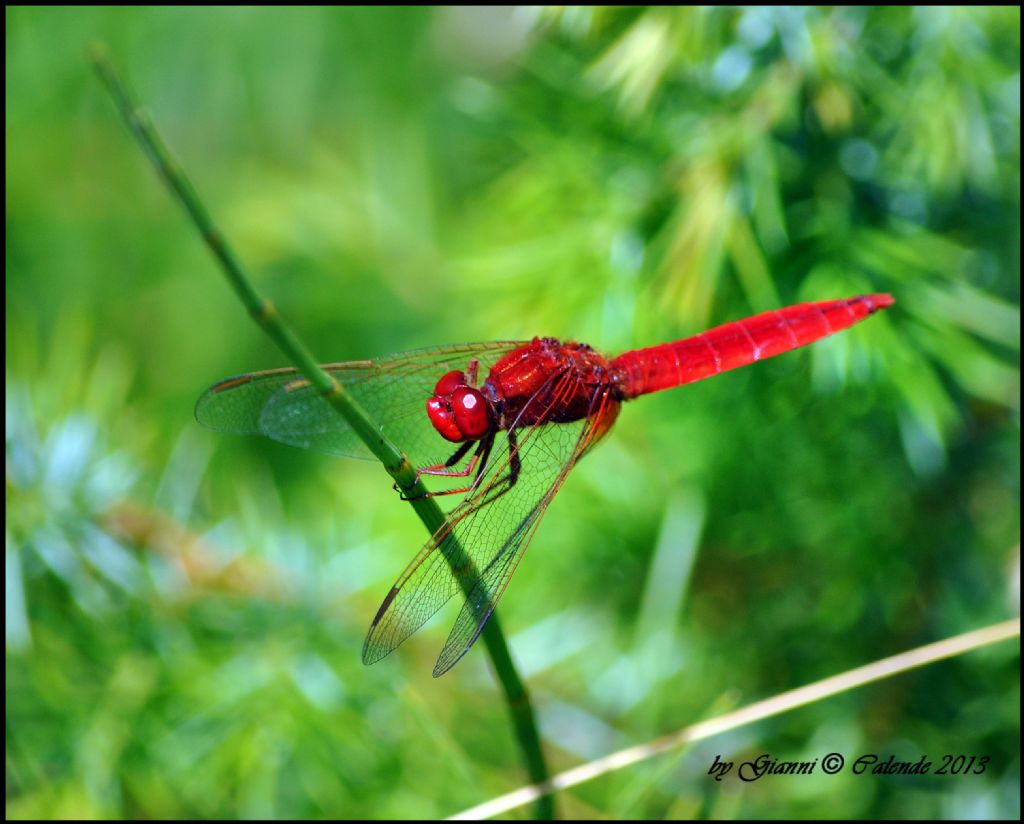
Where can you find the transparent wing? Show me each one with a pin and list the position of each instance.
(394, 389)
(485, 536)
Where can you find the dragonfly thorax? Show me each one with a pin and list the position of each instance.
(458, 411)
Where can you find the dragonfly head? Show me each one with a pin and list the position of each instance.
(457, 410)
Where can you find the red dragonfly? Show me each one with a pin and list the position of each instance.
(508, 441)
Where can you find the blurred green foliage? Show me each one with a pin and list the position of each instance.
(185, 611)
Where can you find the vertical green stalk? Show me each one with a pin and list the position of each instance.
(396, 464)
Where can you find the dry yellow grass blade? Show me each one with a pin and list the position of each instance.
(948, 648)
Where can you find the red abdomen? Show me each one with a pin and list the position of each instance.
(736, 344)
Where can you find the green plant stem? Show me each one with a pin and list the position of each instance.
(393, 460)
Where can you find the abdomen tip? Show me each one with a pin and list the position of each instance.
(880, 301)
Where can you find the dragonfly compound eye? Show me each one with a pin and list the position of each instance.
(439, 411)
(449, 382)
(471, 413)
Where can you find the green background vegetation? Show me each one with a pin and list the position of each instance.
(185, 611)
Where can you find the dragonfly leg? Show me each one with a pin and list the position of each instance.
(483, 450)
(471, 371)
(509, 481)
(482, 455)
(487, 443)
(445, 470)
